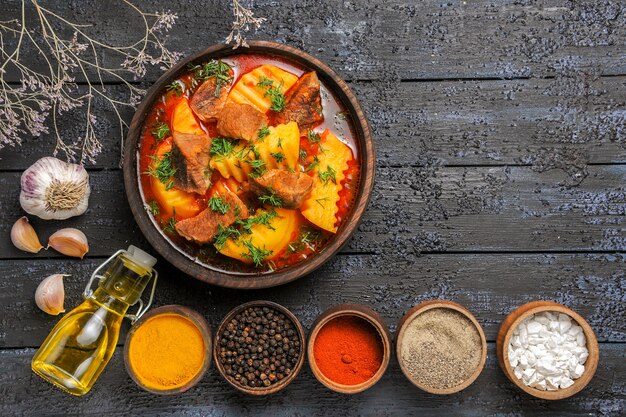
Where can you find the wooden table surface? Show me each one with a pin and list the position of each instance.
(500, 129)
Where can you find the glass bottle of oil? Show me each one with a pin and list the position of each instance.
(79, 347)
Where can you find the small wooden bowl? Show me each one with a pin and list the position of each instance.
(259, 390)
(354, 310)
(196, 319)
(513, 320)
(450, 305)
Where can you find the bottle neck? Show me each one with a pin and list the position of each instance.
(124, 281)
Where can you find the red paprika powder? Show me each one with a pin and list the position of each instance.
(348, 350)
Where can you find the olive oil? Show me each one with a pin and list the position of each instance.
(79, 347)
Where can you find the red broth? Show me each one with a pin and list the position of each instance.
(309, 239)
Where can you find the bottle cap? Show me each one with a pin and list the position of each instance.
(141, 257)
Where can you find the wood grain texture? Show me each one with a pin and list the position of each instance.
(489, 286)
(491, 394)
(431, 39)
(495, 122)
(413, 210)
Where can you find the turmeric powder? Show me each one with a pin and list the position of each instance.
(166, 352)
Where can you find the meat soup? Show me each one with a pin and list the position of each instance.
(248, 164)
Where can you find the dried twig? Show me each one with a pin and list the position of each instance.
(244, 21)
(25, 108)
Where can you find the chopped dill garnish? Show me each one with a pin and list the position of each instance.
(161, 131)
(218, 205)
(328, 175)
(272, 199)
(213, 68)
(280, 143)
(221, 147)
(162, 169)
(278, 156)
(255, 254)
(319, 201)
(225, 233)
(263, 218)
(313, 164)
(308, 238)
(303, 154)
(342, 115)
(313, 137)
(258, 167)
(263, 132)
(277, 98)
(153, 207)
(170, 226)
(176, 87)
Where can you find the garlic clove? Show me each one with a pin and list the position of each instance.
(50, 295)
(24, 236)
(70, 242)
(53, 189)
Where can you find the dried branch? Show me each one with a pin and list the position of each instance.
(244, 21)
(24, 109)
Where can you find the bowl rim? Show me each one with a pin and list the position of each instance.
(258, 391)
(187, 264)
(591, 363)
(203, 327)
(351, 310)
(422, 307)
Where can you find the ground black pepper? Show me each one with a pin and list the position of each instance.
(259, 347)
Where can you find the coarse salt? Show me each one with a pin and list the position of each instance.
(548, 351)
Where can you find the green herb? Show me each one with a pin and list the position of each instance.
(275, 94)
(221, 147)
(308, 238)
(176, 87)
(303, 154)
(170, 226)
(213, 68)
(313, 164)
(342, 115)
(225, 233)
(280, 143)
(258, 167)
(278, 156)
(255, 254)
(263, 218)
(263, 132)
(319, 201)
(272, 199)
(162, 169)
(313, 137)
(153, 207)
(161, 131)
(218, 205)
(328, 175)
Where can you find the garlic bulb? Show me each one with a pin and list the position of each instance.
(53, 189)
(24, 236)
(70, 242)
(50, 295)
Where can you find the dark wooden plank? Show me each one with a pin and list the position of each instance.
(454, 122)
(490, 286)
(412, 210)
(392, 39)
(491, 394)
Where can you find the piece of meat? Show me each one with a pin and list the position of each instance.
(204, 103)
(304, 103)
(240, 121)
(291, 187)
(203, 227)
(190, 158)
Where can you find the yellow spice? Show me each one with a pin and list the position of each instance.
(166, 351)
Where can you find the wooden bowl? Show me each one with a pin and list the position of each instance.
(353, 310)
(196, 319)
(513, 320)
(185, 262)
(259, 390)
(421, 308)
